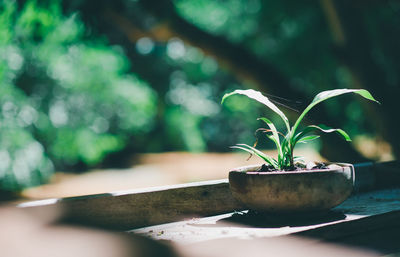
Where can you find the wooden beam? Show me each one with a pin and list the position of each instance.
(363, 225)
(138, 208)
(370, 176)
(145, 207)
(358, 219)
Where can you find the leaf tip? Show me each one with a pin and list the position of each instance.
(223, 98)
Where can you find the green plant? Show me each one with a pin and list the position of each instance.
(285, 146)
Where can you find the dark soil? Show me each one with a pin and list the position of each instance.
(297, 167)
(319, 166)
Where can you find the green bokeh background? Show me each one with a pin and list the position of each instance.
(73, 97)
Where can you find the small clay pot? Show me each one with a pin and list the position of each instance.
(292, 191)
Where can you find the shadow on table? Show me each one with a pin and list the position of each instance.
(266, 220)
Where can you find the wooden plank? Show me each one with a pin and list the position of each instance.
(146, 207)
(365, 178)
(370, 176)
(138, 208)
(387, 174)
(360, 215)
(276, 246)
(363, 225)
(23, 234)
(224, 226)
(375, 232)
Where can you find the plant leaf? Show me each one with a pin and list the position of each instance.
(275, 136)
(262, 99)
(336, 92)
(324, 95)
(325, 129)
(257, 152)
(271, 127)
(307, 139)
(287, 152)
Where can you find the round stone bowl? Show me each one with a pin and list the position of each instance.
(292, 191)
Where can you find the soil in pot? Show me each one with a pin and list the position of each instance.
(298, 167)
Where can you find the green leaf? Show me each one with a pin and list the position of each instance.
(327, 95)
(307, 139)
(257, 152)
(298, 158)
(322, 128)
(275, 135)
(287, 152)
(262, 99)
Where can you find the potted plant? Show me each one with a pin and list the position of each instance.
(286, 184)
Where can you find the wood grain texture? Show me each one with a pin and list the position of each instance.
(368, 220)
(138, 208)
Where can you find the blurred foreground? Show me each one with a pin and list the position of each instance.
(41, 235)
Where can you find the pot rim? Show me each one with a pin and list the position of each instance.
(242, 169)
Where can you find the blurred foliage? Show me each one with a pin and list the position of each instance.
(76, 87)
(64, 98)
(233, 19)
(272, 31)
(295, 37)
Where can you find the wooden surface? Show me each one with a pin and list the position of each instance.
(360, 213)
(369, 219)
(137, 208)
(23, 234)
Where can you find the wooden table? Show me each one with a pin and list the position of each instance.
(204, 212)
(365, 217)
